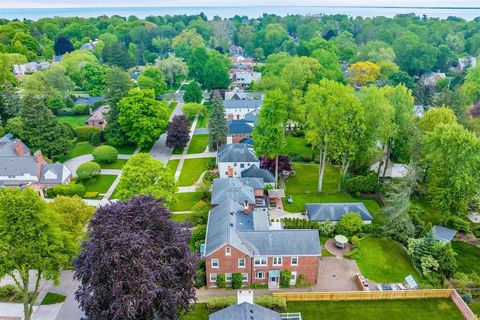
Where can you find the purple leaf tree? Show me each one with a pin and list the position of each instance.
(284, 164)
(178, 132)
(136, 263)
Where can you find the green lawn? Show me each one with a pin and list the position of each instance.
(202, 122)
(198, 144)
(171, 107)
(79, 149)
(117, 164)
(180, 217)
(185, 201)
(52, 298)
(114, 194)
(431, 215)
(101, 184)
(384, 260)
(74, 121)
(468, 257)
(475, 307)
(178, 150)
(191, 171)
(438, 309)
(300, 146)
(125, 149)
(172, 165)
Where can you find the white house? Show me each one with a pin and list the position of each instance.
(238, 109)
(232, 159)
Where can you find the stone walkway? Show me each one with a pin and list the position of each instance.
(206, 154)
(74, 163)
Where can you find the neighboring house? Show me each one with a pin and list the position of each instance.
(335, 211)
(255, 172)
(419, 110)
(97, 118)
(241, 239)
(464, 63)
(245, 309)
(19, 168)
(90, 45)
(240, 94)
(240, 62)
(239, 130)
(238, 109)
(232, 159)
(249, 192)
(88, 100)
(30, 67)
(394, 170)
(234, 50)
(243, 78)
(431, 78)
(442, 234)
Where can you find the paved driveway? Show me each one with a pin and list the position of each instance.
(336, 274)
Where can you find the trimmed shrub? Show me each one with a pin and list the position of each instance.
(221, 283)
(94, 139)
(105, 154)
(91, 195)
(300, 282)
(81, 109)
(362, 184)
(350, 224)
(285, 277)
(265, 301)
(221, 302)
(88, 170)
(68, 190)
(236, 280)
(83, 133)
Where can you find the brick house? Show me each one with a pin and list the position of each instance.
(236, 157)
(239, 130)
(97, 118)
(241, 239)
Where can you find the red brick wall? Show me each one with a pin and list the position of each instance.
(239, 137)
(229, 264)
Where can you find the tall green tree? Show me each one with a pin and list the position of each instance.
(269, 133)
(173, 68)
(217, 123)
(193, 93)
(30, 240)
(197, 63)
(95, 79)
(216, 71)
(452, 156)
(143, 175)
(471, 86)
(115, 54)
(152, 78)
(436, 116)
(141, 117)
(41, 130)
(9, 102)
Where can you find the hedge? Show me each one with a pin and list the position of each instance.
(105, 154)
(68, 190)
(362, 184)
(265, 301)
(91, 195)
(83, 133)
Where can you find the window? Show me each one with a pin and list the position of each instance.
(226, 173)
(244, 277)
(293, 279)
(215, 263)
(242, 165)
(277, 261)
(260, 261)
(294, 261)
(241, 263)
(213, 277)
(228, 251)
(228, 277)
(234, 164)
(260, 274)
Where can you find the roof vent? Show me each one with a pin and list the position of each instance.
(231, 213)
(231, 224)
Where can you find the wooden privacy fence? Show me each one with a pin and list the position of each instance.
(381, 295)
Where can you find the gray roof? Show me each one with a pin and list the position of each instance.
(443, 234)
(89, 101)
(242, 104)
(7, 146)
(335, 211)
(245, 311)
(17, 166)
(55, 168)
(251, 117)
(254, 172)
(238, 189)
(238, 152)
(239, 127)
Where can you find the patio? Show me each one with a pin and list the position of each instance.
(336, 274)
(333, 249)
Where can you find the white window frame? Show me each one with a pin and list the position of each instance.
(244, 263)
(214, 275)
(244, 276)
(260, 271)
(293, 279)
(228, 277)
(277, 261)
(291, 261)
(213, 262)
(228, 251)
(265, 260)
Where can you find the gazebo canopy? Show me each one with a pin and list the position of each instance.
(341, 239)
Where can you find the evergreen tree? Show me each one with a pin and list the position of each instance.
(116, 54)
(217, 123)
(62, 45)
(41, 129)
(193, 93)
(9, 102)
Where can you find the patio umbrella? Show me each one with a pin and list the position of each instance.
(341, 239)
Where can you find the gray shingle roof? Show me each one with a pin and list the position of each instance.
(7, 146)
(240, 190)
(443, 234)
(237, 152)
(242, 104)
(239, 127)
(55, 168)
(245, 311)
(17, 166)
(335, 211)
(254, 172)
(89, 101)
(248, 141)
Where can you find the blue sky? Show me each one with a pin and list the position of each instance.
(175, 3)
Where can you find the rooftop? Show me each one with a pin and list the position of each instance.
(237, 152)
(335, 211)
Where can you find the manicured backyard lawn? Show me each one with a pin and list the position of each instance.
(299, 145)
(172, 165)
(202, 122)
(125, 149)
(79, 149)
(178, 150)
(101, 183)
(438, 309)
(384, 260)
(431, 215)
(180, 217)
(191, 171)
(468, 257)
(185, 201)
(198, 144)
(171, 106)
(117, 164)
(52, 298)
(74, 121)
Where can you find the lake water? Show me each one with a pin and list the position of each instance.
(227, 12)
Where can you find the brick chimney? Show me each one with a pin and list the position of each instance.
(230, 172)
(39, 160)
(19, 149)
(246, 208)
